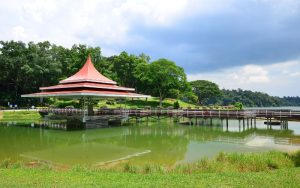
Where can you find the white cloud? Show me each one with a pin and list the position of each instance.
(93, 22)
(155, 11)
(18, 33)
(295, 74)
(67, 21)
(267, 78)
(252, 74)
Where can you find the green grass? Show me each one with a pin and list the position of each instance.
(128, 103)
(141, 103)
(271, 169)
(71, 178)
(224, 162)
(20, 116)
(241, 162)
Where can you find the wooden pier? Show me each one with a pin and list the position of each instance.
(102, 116)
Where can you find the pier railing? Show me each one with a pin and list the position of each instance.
(237, 114)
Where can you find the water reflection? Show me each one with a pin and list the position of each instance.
(163, 142)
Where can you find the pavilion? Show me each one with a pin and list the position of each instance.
(87, 84)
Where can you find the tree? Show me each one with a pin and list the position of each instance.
(163, 78)
(26, 67)
(12, 60)
(189, 97)
(205, 90)
(124, 66)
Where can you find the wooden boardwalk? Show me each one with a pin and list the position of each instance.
(102, 116)
(192, 113)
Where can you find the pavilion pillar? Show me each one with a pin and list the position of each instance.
(90, 109)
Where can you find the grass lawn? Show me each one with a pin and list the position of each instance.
(271, 169)
(141, 103)
(20, 115)
(51, 178)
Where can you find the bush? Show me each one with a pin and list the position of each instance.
(238, 105)
(176, 105)
(68, 103)
(3, 108)
(110, 102)
(296, 158)
(5, 163)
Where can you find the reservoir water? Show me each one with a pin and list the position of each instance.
(163, 142)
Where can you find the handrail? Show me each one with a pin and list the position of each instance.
(184, 112)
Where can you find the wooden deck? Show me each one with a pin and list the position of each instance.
(190, 113)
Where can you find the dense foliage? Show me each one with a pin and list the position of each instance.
(255, 99)
(205, 90)
(163, 78)
(26, 67)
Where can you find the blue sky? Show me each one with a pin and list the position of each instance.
(248, 44)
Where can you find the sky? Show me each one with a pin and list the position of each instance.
(247, 44)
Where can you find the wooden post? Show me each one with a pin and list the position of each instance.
(247, 123)
(83, 110)
(226, 124)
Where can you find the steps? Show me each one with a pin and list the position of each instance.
(98, 123)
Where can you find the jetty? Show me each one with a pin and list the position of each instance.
(103, 116)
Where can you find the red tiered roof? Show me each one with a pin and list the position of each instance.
(88, 73)
(86, 82)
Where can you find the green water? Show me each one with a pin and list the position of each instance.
(163, 142)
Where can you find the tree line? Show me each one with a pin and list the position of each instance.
(256, 99)
(24, 67)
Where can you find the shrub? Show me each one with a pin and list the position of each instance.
(130, 168)
(110, 102)
(296, 158)
(238, 105)
(176, 105)
(68, 103)
(3, 108)
(5, 163)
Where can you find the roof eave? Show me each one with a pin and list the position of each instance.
(38, 95)
(87, 86)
